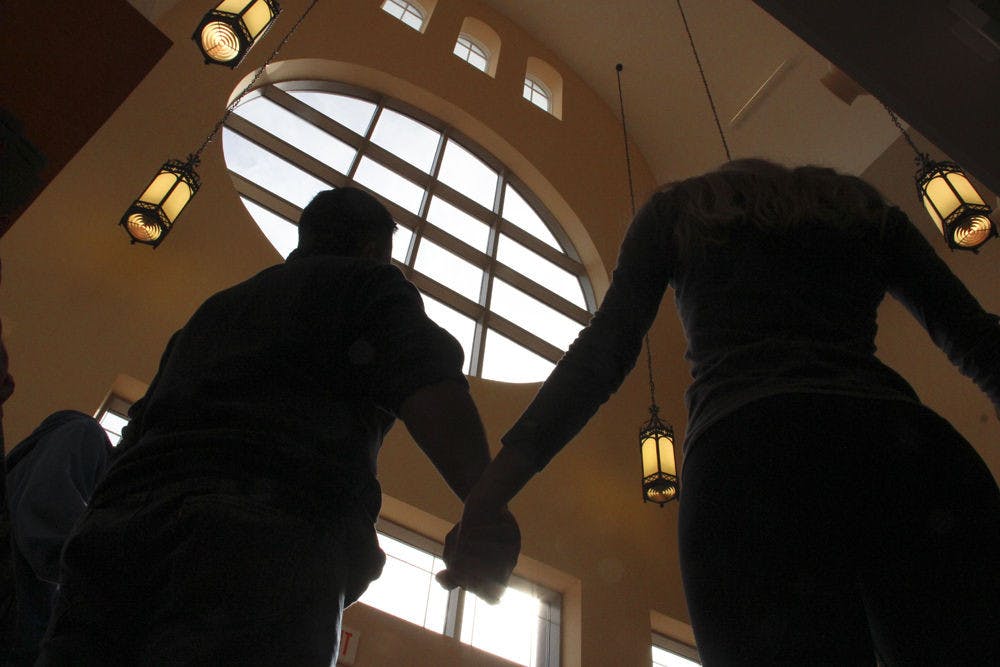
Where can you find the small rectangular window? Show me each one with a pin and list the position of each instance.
(113, 417)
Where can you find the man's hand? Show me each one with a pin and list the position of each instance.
(481, 555)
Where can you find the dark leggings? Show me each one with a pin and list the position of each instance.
(826, 530)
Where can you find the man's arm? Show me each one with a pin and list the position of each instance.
(445, 423)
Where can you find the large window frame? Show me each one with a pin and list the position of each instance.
(478, 310)
(548, 640)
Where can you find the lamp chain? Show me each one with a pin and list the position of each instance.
(195, 158)
(704, 81)
(631, 191)
(922, 158)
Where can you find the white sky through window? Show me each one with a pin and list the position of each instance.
(256, 164)
(508, 629)
(472, 53)
(307, 137)
(539, 269)
(507, 361)
(664, 658)
(468, 174)
(459, 224)
(282, 234)
(531, 314)
(389, 184)
(413, 141)
(449, 269)
(353, 113)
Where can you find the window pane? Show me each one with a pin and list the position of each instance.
(405, 12)
(458, 325)
(535, 93)
(303, 135)
(518, 211)
(471, 52)
(407, 588)
(113, 424)
(353, 113)
(412, 141)
(541, 270)
(282, 234)
(508, 629)
(389, 184)
(449, 269)
(468, 174)
(458, 223)
(533, 315)
(664, 658)
(401, 243)
(506, 361)
(269, 171)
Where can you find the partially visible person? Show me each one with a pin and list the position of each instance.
(826, 515)
(51, 476)
(238, 519)
(7, 605)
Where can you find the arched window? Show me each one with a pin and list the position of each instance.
(494, 267)
(536, 93)
(479, 45)
(543, 86)
(409, 13)
(471, 52)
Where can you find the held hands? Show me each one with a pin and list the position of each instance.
(480, 553)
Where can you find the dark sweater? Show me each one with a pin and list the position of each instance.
(764, 314)
(294, 375)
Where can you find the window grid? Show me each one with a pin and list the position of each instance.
(471, 52)
(407, 12)
(537, 94)
(413, 216)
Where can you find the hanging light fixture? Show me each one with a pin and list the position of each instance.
(151, 217)
(659, 467)
(961, 215)
(656, 438)
(229, 31)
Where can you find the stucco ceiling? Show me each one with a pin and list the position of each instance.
(765, 81)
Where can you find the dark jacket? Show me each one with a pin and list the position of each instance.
(51, 475)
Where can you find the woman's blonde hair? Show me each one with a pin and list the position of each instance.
(776, 200)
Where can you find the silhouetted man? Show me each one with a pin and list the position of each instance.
(238, 519)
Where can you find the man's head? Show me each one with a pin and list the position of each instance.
(346, 221)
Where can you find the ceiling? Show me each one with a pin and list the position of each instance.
(765, 81)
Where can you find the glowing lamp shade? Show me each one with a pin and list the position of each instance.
(227, 33)
(659, 469)
(959, 212)
(150, 217)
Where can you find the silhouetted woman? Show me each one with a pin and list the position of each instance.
(826, 514)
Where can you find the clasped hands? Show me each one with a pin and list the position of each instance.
(480, 552)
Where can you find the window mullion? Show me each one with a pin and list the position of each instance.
(542, 293)
(266, 198)
(313, 116)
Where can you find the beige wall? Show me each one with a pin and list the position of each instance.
(80, 305)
